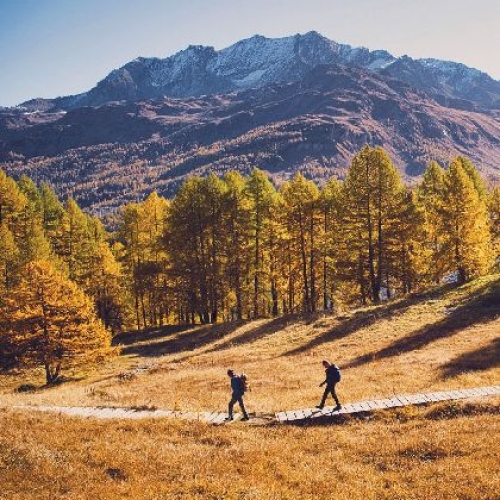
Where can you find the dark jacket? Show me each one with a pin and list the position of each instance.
(332, 375)
(237, 386)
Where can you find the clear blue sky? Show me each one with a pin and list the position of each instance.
(60, 47)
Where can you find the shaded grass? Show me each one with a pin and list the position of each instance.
(485, 358)
(483, 307)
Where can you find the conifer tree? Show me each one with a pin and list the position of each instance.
(430, 196)
(372, 194)
(407, 256)
(494, 207)
(194, 240)
(50, 322)
(76, 244)
(10, 260)
(465, 225)
(302, 208)
(131, 257)
(236, 235)
(31, 239)
(262, 196)
(12, 201)
(331, 209)
(52, 213)
(474, 176)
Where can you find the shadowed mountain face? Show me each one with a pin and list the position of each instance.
(114, 153)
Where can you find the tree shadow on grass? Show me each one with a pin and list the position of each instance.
(128, 338)
(480, 360)
(199, 337)
(363, 319)
(259, 332)
(482, 309)
(150, 343)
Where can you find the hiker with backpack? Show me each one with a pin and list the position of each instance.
(238, 388)
(332, 373)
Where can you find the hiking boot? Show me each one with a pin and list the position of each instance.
(337, 408)
(320, 407)
(246, 418)
(229, 418)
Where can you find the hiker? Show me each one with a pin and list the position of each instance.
(332, 373)
(238, 387)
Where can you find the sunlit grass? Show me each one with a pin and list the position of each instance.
(444, 340)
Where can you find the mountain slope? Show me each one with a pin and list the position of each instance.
(115, 153)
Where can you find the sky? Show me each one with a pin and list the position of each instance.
(50, 48)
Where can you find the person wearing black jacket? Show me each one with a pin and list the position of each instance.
(237, 392)
(332, 378)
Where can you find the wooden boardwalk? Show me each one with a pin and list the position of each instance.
(294, 416)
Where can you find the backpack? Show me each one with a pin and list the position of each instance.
(335, 373)
(243, 382)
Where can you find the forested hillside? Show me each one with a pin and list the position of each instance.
(232, 248)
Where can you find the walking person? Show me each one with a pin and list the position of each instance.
(238, 388)
(332, 373)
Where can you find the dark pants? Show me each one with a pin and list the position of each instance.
(330, 389)
(237, 398)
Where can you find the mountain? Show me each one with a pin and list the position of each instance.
(301, 103)
(115, 153)
(260, 61)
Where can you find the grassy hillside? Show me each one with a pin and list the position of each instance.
(448, 338)
(445, 339)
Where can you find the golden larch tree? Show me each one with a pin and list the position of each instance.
(51, 323)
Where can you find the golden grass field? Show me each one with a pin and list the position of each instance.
(449, 338)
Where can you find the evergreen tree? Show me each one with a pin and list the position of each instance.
(372, 195)
(465, 225)
(50, 322)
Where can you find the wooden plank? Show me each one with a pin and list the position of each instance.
(387, 402)
(220, 419)
(211, 417)
(349, 408)
(299, 415)
(280, 416)
(396, 403)
(490, 390)
(365, 405)
(472, 392)
(308, 412)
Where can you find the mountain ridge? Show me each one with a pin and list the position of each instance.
(258, 61)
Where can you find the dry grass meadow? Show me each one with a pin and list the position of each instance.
(446, 339)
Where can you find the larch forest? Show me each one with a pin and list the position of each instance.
(229, 249)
